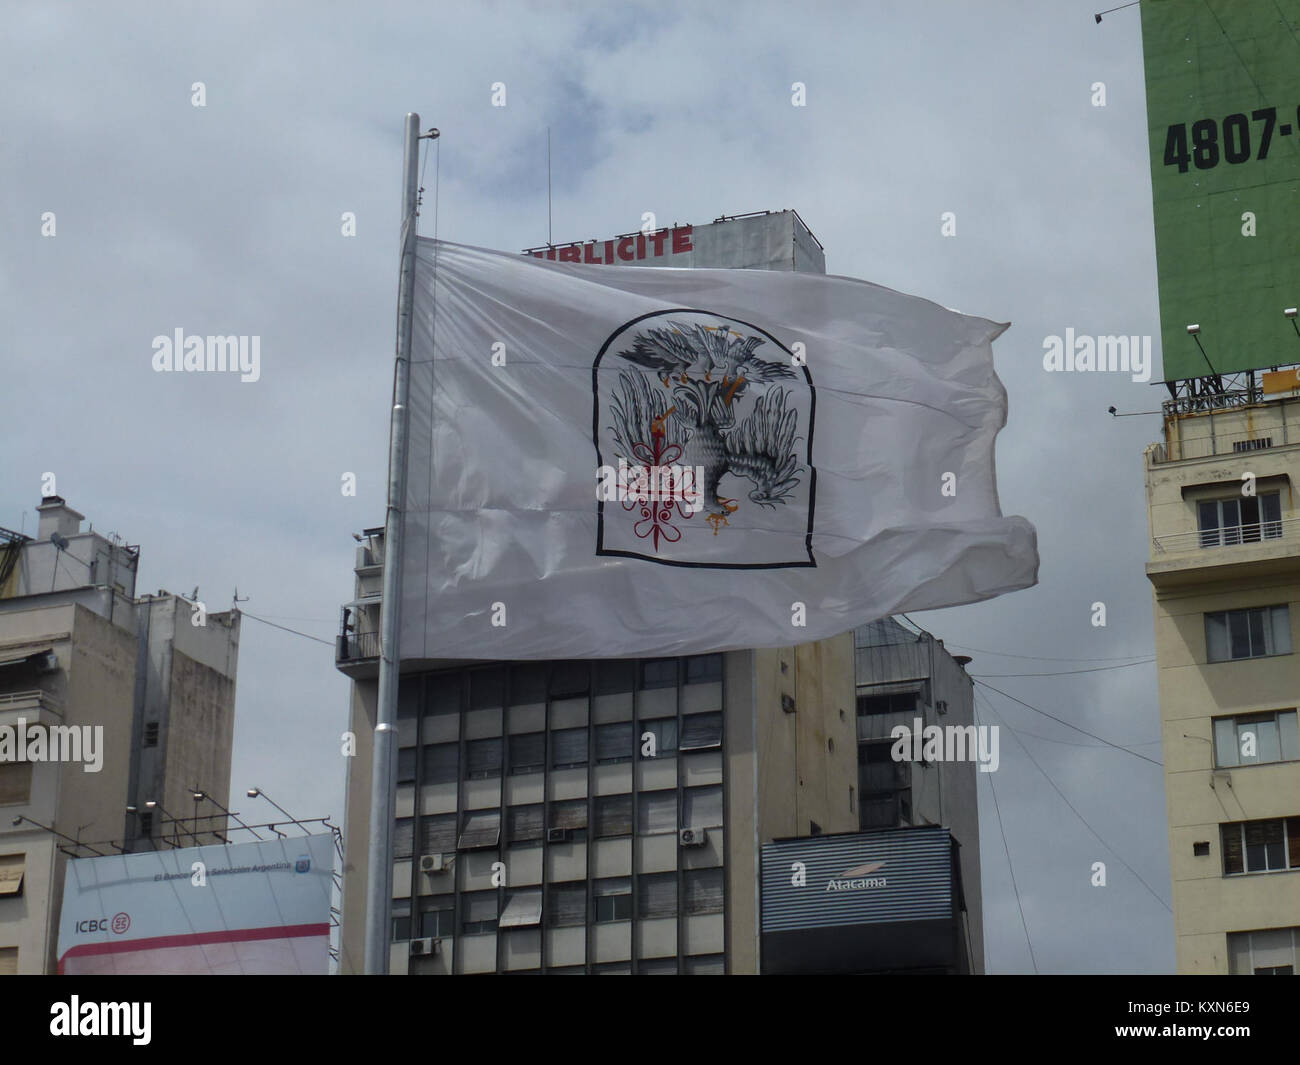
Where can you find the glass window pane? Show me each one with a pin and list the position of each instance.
(659, 673)
(1280, 644)
(1293, 841)
(528, 752)
(1207, 516)
(436, 914)
(569, 679)
(401, 920)
(1289, 735)
(664, 733)
(404, 837)
(406, 765)
(615, 675)
(1266, 739)
(1225, 742)
(1216, 637)
(482, 828)
(527, 685)
(487, 688)
(1230, 840)
(444, 693)
(1257, 620)
(1238, 634)
(700, 669)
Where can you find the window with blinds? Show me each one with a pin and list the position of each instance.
(702, 807)
(614, 815)
(568, 748)
(702, 891)
(441, 763)
(528, 752)
(12, 868)
(478, 913)
(483, 758)
(525, 823)
(1261, 846)
(659, 673)
(614, 742)
(701, 669)
(706, 965)
(401, 920)
(664, 732)
(656, 895)
(656, 812)
(406, 757)
(570, 815)
(482, 829)
(438, 834)
(657, 967)
(523, 909)
(701, 731)
(567, 905)
(15, 782)
(404, 837)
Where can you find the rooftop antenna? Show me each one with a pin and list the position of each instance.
(548, 185)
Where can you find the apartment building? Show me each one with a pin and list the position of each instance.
(1225, 575)
(148, 694)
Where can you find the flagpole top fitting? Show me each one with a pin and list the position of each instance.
(431, 135)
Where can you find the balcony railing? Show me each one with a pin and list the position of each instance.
(357, 647)
(1286, 531)
(1202, 447)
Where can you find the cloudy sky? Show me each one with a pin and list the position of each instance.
(225, 219)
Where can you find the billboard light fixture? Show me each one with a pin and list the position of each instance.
(1193, 329)
(1289, 312)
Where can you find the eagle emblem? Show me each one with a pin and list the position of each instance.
(709, 422)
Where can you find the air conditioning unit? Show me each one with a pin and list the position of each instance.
(557, 835)
(433, 863)
(421, 948)
(692, 837)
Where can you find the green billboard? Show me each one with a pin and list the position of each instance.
(1223, 118)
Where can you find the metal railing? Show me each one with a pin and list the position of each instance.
(357, 647)
(11, 700)
(1200, 447)
(1286, 531)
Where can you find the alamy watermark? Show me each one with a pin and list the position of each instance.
(948, 743)
(211, 354)
(53, 743)
(1108, 354)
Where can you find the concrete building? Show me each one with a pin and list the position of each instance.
(627, 801)
(1225, 574)
(147, 695)
(904, 677)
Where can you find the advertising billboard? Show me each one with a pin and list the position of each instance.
(238, 909)
(878, 901)
(1223, 117)
(770, 240)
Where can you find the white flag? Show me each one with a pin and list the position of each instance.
(611, 463)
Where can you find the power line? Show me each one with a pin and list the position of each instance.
(1080, 816)
(1066, 672)
(245, 613)
(1046, 658)
(1076, 728)
(1011, 866)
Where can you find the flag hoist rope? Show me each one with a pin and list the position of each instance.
(379, 879)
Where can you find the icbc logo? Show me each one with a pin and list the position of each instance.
(121, 922)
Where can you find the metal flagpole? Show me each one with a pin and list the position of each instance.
(379, 882)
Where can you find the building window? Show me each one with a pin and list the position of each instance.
(528, 753)
(1240, 520)
(483, 758)
(523, 909)
(656, 895)
(487, 689)
(568, 748)
(1253, 739)
(438, 834)
(527, 685)
(893, 703)
(151, 734)
(664, 733)
(1253, 633)
(406, 765)
(702, 669)
(403, 838)
(570, 679)
(614, 743)
(146, 823)
(481, 830)
(1269, 952)
(570, 817)
(12, 867)
(401, 920)
(657, 967)
(611, 900)
(702, 891)
(706, 965)
(884, 787)
(656, 812)
(444, 693)
(478, 913)
(8, 961)
(441, 763)
(525, 823)
(613, 815)
(437, 916)
(614, 675)
(16, 782)
(1261, 846)
(702, 807)
(567, 905)
(659, 673)
(701, 731)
